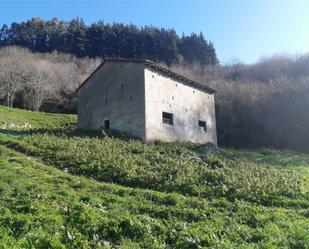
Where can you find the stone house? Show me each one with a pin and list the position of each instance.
(148, 101)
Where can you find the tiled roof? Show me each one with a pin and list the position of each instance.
(159, 68)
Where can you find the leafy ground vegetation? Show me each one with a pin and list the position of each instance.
(62, 188)
(20, 120)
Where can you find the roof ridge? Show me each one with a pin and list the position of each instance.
(157, 66)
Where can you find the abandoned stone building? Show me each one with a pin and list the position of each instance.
(148, 101)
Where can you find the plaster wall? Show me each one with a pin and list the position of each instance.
(188, 105)
(115, 92)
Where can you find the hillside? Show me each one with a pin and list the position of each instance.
(102, 39)
(64, 188)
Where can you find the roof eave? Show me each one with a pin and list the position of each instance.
(154, 66)
(180, 77)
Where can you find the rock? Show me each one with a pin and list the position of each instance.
(196, 159)
(10, 126)
(4, 125)
(215, 164)
(210, 148)
(24, 125)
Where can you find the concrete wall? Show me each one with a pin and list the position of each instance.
(122, 85)
(188, 105)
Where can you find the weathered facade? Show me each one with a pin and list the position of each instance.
(148, 101)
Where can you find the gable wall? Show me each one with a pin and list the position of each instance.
(125, 108)
(188, 105)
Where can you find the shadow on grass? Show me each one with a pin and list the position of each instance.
(70, 132)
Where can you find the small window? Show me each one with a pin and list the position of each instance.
(122, 87)
(202, 125)
(105, 100)
(106, 124)
(167, 118)
(131, 98)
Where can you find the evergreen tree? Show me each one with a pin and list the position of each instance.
(77, 37)
(109, 40)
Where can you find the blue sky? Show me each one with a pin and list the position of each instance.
(242, 30)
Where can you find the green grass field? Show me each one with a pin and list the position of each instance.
(64, 188)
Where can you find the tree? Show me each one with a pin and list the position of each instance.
(13, 74)
(38, 86)
(195, 48)
(4, 35)
(77, 37)
(109, 40)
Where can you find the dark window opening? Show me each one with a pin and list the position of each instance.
(167, 118)
(202, 125)
(106, 101)
(122, 87)
(131, 98)
(106, 124)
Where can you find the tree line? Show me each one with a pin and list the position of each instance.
(264, 104)
(41, 81)
(101, 39)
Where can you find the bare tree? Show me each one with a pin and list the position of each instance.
(38, 79)
(39, 85)
(13, 76)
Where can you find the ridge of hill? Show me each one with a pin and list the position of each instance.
(101, 39)
(63, 188)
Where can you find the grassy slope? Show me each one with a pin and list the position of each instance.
(37, 120)
(242, 199)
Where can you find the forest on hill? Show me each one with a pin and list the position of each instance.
(101, 39)
(264, 104)
(257, 105)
